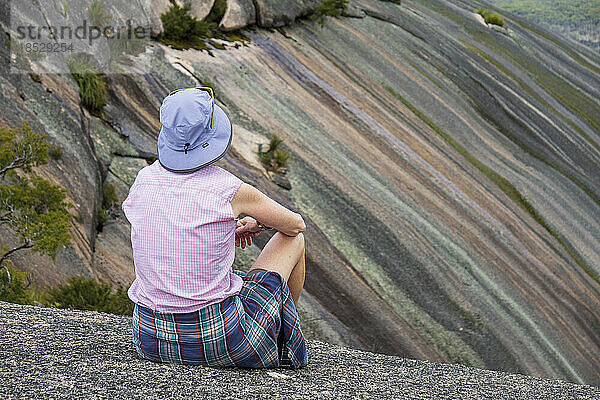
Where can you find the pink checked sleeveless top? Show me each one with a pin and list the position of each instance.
(183, 237)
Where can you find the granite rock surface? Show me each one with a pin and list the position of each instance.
(239, 14)
(51, 354)
(277, 13)
(201, 8)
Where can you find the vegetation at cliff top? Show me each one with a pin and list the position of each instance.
(491, 17)
(180, 26)
(87, 294)
(78, 293)
(329, 8)
(92, 87)
(183, 31)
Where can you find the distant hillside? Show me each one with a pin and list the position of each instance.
(579, 19)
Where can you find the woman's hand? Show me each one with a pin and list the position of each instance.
(246, 228)
(248, 200)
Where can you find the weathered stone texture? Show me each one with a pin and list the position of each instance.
(50, 353)
(201, 8)
(275, 13)
(153, 9)
(239, 14)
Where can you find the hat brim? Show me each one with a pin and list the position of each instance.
(202, 155)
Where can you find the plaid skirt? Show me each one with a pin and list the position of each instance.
(257, 328)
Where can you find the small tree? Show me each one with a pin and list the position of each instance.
(331, 8)
(275, 158)
(180, 26)
(32, 207)
(15, 287)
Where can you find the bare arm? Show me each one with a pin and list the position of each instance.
(251, 201)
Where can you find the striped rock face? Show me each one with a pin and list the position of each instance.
(449, 174)
(454, 167)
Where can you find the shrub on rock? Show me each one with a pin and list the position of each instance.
(331, 8)
(92, 87)
(87, 294)
(491, 17)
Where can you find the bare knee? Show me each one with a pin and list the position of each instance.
(296, 242)
(281, 253)
(300, 239)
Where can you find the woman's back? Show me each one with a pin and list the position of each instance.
(191, 307)
(182, 234)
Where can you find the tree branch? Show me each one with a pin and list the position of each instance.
(26, 245)
(10, 213)
(16, 163)
(5, 218)
(7, 272)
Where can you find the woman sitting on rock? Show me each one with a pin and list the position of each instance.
(191, 306)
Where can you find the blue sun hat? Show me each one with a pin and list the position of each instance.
(195, 131)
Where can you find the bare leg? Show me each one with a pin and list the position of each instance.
(296, 281)
(285, 255)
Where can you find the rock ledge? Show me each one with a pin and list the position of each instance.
(49, 353)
